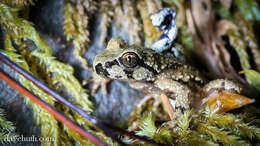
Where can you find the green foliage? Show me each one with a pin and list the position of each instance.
(201, 128)
(18, 3)
(221, 10)
(253, 78)
(240, 46)
(4, 124)
(193, 128)
(218, 134)
(39, 61)
(241, 37)
(76, 21)
(20, 29)
(64, 76)
(186, 38)
(249, 37)
(41, 116)
(7, 129)
(249, 9)
(148, 127)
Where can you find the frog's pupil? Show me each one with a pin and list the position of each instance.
(129, 59)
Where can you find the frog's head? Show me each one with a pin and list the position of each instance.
(122, 62)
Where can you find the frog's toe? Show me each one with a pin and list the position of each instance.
(172, 124)
(98, 82)
(221, 84)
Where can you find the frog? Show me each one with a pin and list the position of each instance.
(164, 20)
(180, 86)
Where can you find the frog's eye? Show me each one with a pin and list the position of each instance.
(129, 59)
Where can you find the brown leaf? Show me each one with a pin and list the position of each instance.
(201, 22)
(223, 26)
(207, 39)
(224, 101)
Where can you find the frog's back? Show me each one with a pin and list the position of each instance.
(171, 68)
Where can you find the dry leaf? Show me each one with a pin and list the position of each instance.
(207, 40)
(223, 101)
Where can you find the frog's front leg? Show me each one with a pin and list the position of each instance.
(155, 93)
(179, 92)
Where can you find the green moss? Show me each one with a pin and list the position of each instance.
(201, 128)
(40, 62)
(7, 129)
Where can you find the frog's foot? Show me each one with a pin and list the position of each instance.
(223, 95)
(149, 102)
(97, 83)
(169, 125)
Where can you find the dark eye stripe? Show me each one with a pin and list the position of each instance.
(129, 74)
(109, 64)
(139, 63)
(142, 64)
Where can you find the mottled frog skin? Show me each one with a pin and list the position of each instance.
(156, 73)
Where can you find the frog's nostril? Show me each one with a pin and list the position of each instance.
(98, 68)
(101, 71)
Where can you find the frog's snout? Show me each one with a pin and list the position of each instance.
(100, 70)
(99, 67)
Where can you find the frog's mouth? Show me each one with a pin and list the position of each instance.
(101, 71)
